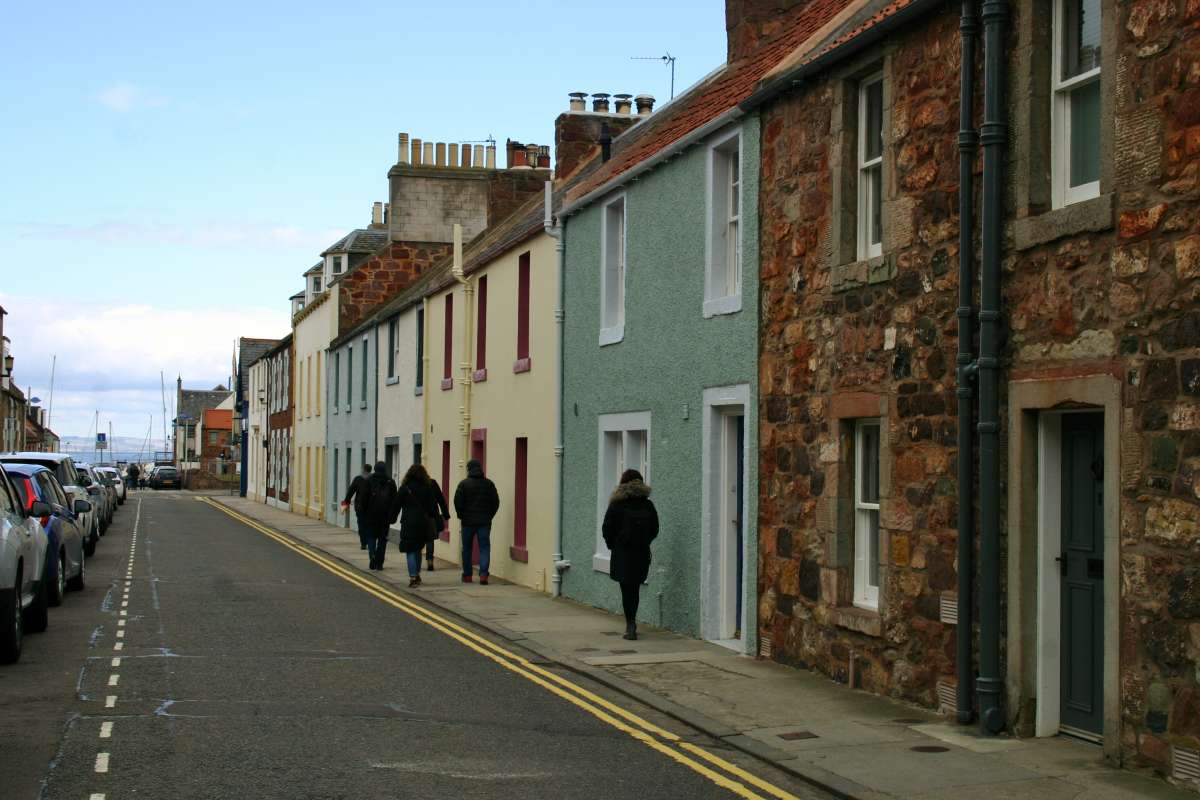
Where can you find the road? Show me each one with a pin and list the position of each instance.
(208, 659)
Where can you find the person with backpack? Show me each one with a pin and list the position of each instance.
(416, 510)
(440, 520)
(359, 490)
(476, 502)
(630, 525)
(131, 473)
(377, 514)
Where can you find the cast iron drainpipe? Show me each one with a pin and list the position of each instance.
(968, 143)
(994, 136)
(554, 230)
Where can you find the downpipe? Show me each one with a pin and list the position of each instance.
(555, 231)
(466, 381)
(994, 137)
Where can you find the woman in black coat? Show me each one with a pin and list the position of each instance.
(630, 525)
(417, 510)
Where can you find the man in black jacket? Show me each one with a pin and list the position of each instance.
(476, 502)
(360, 490)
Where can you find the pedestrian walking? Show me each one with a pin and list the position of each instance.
(131, 476)
(630, 525)
(416, 509)
(476, 503)
(440, 521)
(378, 513)
(359, 491)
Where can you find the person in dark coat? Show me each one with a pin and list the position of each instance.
(440, 521)
(132, 472)
(417, 509)
(630, 525)
(376, 514)
(476, 502)
(358, 491)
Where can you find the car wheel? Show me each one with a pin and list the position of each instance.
(89, 546)
(79, 581)
(12, 626)
(37, 616)
(58, 586)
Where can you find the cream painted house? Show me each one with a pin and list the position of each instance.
(491, 358)
(314, 327)
(256, 429)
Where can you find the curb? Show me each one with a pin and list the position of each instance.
(842, 788)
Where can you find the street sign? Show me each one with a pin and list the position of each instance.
(101, 441)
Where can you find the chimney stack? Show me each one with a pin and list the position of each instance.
(578, 101)
(403, 148)
(645, 104)
(543, 160)
(377, 215)
(516, 154)
(624, 104)
(600, 102)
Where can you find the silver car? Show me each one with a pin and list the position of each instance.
(118, 481)
(98, 494)
(24, 597)
(63, 467)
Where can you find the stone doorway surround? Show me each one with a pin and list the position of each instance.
(1027, 398)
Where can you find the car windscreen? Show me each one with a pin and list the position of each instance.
(166, 472)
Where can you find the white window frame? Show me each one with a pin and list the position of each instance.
(723, 257)
(865, 595)
(628, 425)
(614, 332)
(316, 285)
(334, 263)
(1062, 193)
(866, 248)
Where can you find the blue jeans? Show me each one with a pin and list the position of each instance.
(414, 564)
(377, 546)
(484, 532)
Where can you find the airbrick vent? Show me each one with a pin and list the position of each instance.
(1185, 764)
(947, 697)
(766, 645)
(949, 608)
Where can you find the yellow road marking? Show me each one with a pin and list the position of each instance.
(604, 710)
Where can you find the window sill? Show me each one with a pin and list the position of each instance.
(611, 335)
(856, 274)
(522, 365)
(600, 563)
(518, 554)
(419, 390)
(392, 381)
(349, 408)
(447, 384)
(334, 410)
(363, 404)
(1086, 216)
(479, 376)
(719, 306)
(857, 619)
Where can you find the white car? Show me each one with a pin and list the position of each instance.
(118, 480)
(24, 595)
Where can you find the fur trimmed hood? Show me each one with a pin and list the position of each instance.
(634, 490)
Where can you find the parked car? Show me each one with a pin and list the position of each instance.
(114, 494)
(23, 592)
(98, 494)
(118, 480)
(65, 566)
(63, 467)
(164, 478)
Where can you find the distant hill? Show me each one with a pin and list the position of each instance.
(120, 443)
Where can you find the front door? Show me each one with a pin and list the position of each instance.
(740, 496)
(1082, 566)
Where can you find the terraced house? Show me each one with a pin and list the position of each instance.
(1038, 480)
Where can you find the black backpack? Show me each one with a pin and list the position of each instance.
(381, 500)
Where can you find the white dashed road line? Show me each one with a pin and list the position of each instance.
(102, 762)
(113, 679)
(106, 730)
(110, 701)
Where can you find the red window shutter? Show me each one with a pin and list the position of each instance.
(448, 345)
(447, 489)
(523, 307)
(481, 324)
(522, 488)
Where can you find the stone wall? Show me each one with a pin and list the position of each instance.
(382, 276)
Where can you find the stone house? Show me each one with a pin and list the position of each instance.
(1087, 591)
(278, 386)
(190, 405)
(249, 351)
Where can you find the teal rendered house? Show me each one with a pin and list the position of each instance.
(660, 355)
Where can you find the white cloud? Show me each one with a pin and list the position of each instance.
(126, 97)
(214, 234)
(109, 356)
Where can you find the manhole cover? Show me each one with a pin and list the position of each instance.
(929, 748)
(794, 735)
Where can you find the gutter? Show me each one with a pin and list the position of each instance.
(555, 230)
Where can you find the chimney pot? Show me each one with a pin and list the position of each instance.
(376, 214)
(404, 148)
(466, 156)
(441, 154)
(645, 104)
(600, 102)
(478, 156)
(578, 101)
(543, 161)
(416, 152)
(491, 156)
(452, 157)
(427, 154)
(531, 155)
(387, 213)
(517, 157)
(624, 104)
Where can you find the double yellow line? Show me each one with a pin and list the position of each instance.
(730, 776)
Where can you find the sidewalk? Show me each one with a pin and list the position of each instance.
(851, 743)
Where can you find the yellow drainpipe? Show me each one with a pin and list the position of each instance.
(464, 410)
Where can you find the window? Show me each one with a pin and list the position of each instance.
(481, 328)
(1075, 85)
(866, 514)
(308, 388)
(316, 283)
(870, 167)
(520, 501)
(448, 344)
(337, 492)
(349, 377)
(337, 379)
(392, 344)
(724, 245)
(318, 383)
(624, 444)
(363, 379)
(212, 438)
(420, 348)
(337, 265)
(523, 362)
(612, 292)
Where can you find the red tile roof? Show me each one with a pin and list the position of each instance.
(716, 95)
(218, 418)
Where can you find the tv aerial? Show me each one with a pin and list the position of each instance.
(667, 60)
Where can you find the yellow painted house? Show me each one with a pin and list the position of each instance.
(314, 325)
(491, 361)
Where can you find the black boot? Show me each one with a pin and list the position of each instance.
(630, 631)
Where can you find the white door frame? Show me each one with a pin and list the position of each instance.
(718, 564)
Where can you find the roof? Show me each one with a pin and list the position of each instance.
(249, 351)
(360, 240)
(721, 92)
(220, 418)
(193, 402)
(313, 270)
(275, 349)
(298, 295)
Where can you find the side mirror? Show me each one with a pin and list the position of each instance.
(93, 490)
(82, 506)
(40, 508)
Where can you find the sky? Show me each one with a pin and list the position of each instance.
(172, 168)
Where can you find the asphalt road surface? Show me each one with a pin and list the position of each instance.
(208, 659)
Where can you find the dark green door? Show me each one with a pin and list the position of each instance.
(1082, 566)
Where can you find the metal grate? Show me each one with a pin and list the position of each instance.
(766, 645)
(949, 610)
(1185, 763)
(947, 693)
